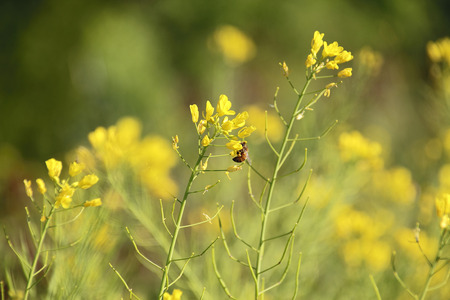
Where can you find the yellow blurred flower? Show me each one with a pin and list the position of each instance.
(28, 189)
(54, 168)
(93, 203)
(88, 181)
(236, 47)
(443, 205)
(258, 119)
(370, 61)
(75, 168)
(395, 185)
(439, 51)
(354, 146)
(151, 157)
(41, 186)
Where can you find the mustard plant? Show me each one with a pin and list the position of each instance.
(331, 58)
(48, 206)
(213, 129)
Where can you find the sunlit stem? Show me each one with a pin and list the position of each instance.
(280, 159)
(31, 274)
(165, 277)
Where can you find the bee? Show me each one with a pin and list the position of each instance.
(241, 155)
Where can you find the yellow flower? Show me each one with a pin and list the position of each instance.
(239, 120)
(246, 131)
(54, 168)
(88, 181)
(235, 46)
(316, 42)
(209, 111)
(93, 203)
(227, 125)
(332, 65)
(223, 106)
(331, 50)
(347, 72)
(234, 145)
(75, 168)
(176, 295)
(64, 198)
(28, 189)
(310, 61)
(205, 141)
(343, 57)
(194, 113)
(41, 186)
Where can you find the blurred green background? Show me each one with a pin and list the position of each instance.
(68, 67)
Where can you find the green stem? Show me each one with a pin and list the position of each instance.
(280, 159)
(38, 253)
(165, 277)
(433, 266)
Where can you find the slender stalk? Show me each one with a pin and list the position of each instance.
(31, 274)
(266, 211)
(433, 266)
(165, 277)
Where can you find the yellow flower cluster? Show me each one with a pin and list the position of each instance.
(236, 47)
(223, 126)
(439, 51)
(362, 237)
(394, 184)
(64, 189)
(443, 210)
(355, 147)
(332, 56)
(121, 145)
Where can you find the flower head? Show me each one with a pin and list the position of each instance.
(223, 106)
(310, 60)
(239, 120)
